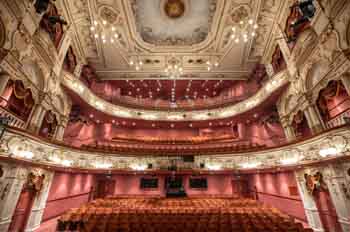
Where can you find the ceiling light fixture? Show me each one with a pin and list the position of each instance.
(136, 62)
(104, 31)
(244, 31)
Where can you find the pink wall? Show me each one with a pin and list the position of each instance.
(274, 189)
(130, 185)
(269, 134)
(67, 191)
(217, 185)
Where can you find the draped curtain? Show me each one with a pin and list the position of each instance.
(21, 100)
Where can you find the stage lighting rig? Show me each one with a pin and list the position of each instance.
(42, 5)
(57, 19)
(307, 9)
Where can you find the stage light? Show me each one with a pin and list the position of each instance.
(41, 6)
(307, 10)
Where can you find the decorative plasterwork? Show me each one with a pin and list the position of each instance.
(89, 97)
(15, 144)
(173, 22)
(111, 60)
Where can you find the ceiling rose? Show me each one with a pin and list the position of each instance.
(174, 8)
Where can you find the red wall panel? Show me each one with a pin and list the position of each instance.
(68, 191)
(274, 189)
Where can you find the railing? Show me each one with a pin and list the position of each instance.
(340, 120)
(14, 120)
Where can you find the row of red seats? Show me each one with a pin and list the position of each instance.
(192, 215)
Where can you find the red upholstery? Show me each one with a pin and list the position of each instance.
(156, 214)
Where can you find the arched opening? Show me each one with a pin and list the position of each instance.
(300, 125)
(52, 24)
(278, 62)
(49, 125)
(70, 61)
(17, 99)
(333, 101)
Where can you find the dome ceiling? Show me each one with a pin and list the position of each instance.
(154, 33)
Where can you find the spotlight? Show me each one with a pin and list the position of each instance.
(41, 6)
(307, 10)
(57, 19)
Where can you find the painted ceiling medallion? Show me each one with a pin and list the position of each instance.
(174, 8)
(174, 22)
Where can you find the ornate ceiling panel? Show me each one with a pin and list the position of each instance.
(156, 32)
(174, 22)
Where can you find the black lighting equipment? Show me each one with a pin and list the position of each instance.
(4, 121)
(57, 19)
(307, 9)
(41, 6)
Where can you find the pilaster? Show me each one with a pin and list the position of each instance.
(61, 128)
(37, 115)
(11, 187)
(39, 204)
(314, 118)
(288, 130)
(311, 211)
(340, 195)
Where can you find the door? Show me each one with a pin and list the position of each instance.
(105, 188)
(22, 211)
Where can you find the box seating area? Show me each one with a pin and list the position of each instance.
(184, 215)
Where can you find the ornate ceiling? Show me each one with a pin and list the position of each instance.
(155, 32)
(173, 22)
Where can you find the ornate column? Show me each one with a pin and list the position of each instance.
(10, 189)
(311, 211)
(288, 129)
(339, 190)
(39, 204)
(313, 116)
(61, 128)
(4, 78)
(314, 119)
(37, 115)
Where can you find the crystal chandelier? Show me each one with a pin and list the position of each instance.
(104, 31)
(244, 31)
